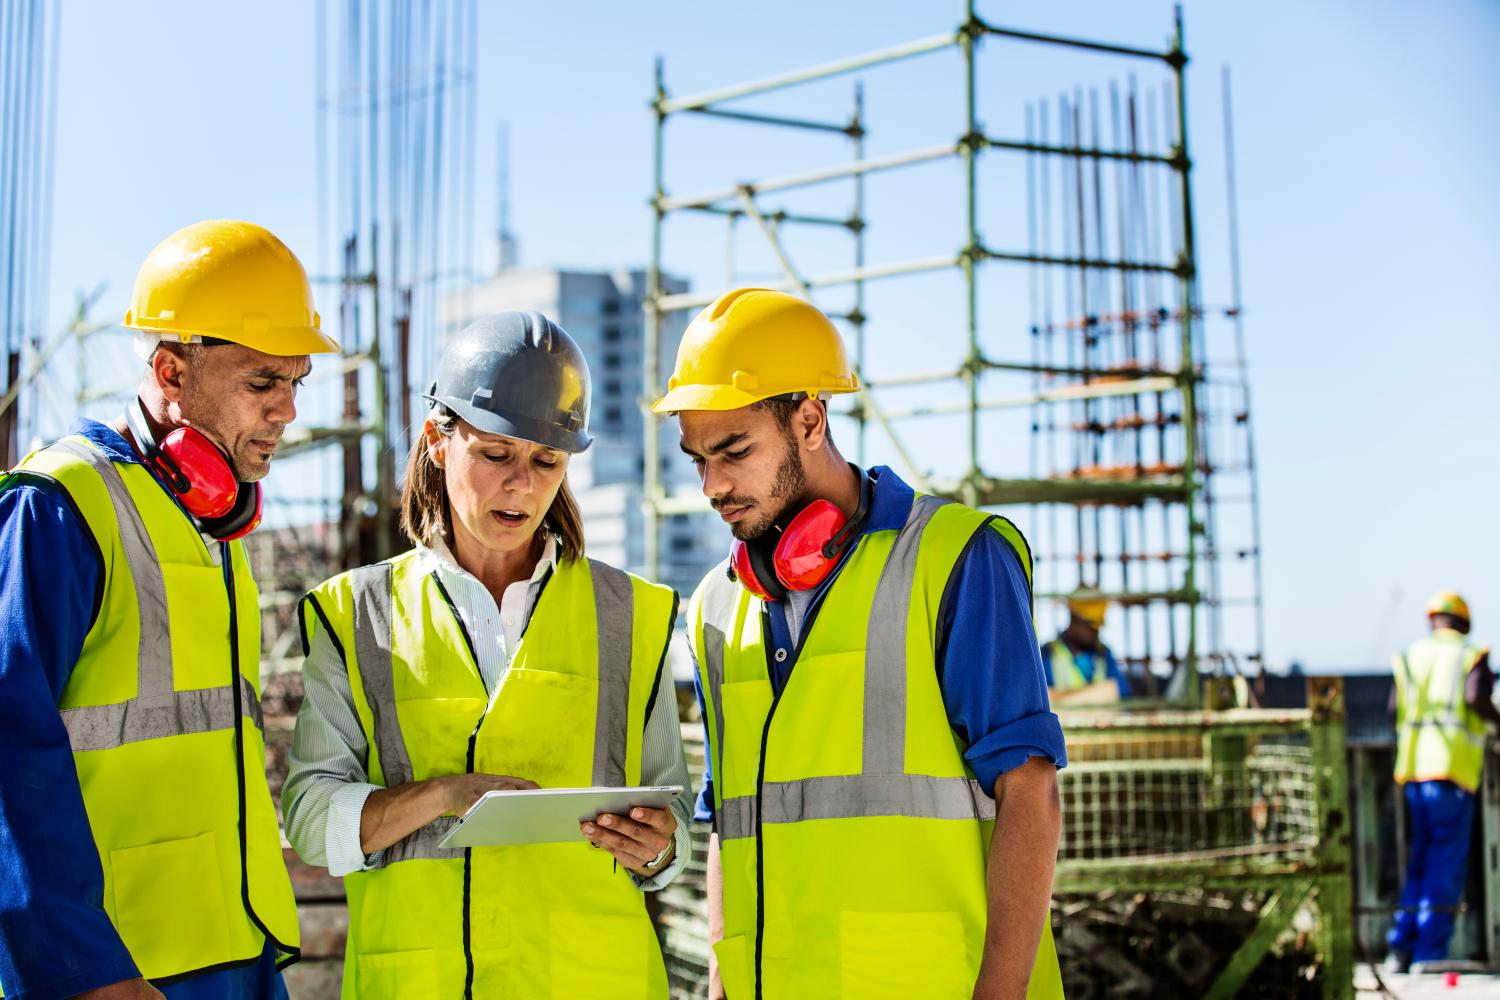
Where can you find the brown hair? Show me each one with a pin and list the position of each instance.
(424, 497)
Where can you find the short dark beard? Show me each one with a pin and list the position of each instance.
(789, 487)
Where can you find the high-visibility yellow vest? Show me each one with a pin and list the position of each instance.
(163, 713)
(1065, 672)
(853, 836)
(1437, 736)
(546, 920)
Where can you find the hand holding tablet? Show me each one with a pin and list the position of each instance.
(548, 815)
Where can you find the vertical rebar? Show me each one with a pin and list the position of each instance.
(1187, 273)
(1238, 307)
(857, 223)
(650, 501)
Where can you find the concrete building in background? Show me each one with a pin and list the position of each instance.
(602, 311)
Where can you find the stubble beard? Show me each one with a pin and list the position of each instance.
(787, 488)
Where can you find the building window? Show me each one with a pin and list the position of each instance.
(612, 386)
(612, 334)
(613, 414)
(682, 543)
(611, 359)
(611, 307)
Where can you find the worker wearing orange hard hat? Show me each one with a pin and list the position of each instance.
(138, 839)
(1444, 703)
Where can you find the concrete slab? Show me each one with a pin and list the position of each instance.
(1433, 986)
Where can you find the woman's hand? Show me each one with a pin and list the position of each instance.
(635, 840)
(461, 791)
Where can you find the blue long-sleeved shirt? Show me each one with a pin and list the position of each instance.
(989, 667)
(55, 938)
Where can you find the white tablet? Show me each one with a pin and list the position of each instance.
(547, 815)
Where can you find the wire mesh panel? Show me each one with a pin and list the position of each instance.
(1188, 797)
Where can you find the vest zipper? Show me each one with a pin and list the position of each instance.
(463, 630)
(469, 761)
(760, 774)
(290, 954)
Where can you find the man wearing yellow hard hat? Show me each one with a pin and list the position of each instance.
(139, 851)
(1080, 668)
(1443, 698)
(882, 765)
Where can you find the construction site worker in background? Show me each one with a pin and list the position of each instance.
(1443, 700)
(138, 841)
(1080, 668)
(882, 772)
(492, 655)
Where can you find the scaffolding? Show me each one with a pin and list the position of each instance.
(1135, 435)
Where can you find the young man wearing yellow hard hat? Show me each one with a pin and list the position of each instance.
(139, 851)
(882, 758)
(1443, 702)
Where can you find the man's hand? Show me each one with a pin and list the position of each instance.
(125, 989)
(636, 839)
(461, 791)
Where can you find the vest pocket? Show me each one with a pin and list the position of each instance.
(903, 955)
(396, 974)
(596, 955)
(733, 954)
(169, 905)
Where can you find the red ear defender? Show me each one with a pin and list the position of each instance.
(807, 552)
(203, 478)
(199, 473)
(742, 566)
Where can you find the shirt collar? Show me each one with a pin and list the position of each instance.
(106, 439)
(437, 554)
(890, 500)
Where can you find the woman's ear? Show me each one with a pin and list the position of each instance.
(437, 443)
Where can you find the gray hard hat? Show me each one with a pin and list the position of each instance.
(517, 374)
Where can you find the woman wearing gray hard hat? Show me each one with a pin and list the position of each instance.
(493, 655)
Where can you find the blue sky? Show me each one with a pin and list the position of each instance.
(1369, 211)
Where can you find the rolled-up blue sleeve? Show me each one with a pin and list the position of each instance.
(989, 666)
(55, 938)
(703, 807)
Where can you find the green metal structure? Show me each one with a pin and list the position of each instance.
(1118, 383)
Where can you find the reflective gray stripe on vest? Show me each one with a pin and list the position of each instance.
(370, 587)
(716, 611)
(156, 711)
(614, 611)
(882, 789)
(885, 647)
(374, 640)
(854, 797)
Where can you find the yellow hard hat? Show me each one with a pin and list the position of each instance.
(1088, 605)
(752, 344)
(232, 281)
(1447, 602)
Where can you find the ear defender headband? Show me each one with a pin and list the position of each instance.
(808, 549)
(199, 473)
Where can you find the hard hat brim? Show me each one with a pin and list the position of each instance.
(726, 397)
(490, 422)
(279, 343)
